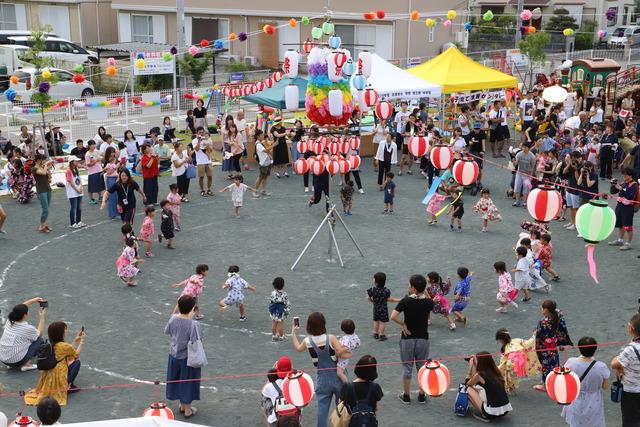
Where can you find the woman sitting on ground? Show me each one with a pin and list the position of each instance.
(20, 341)
(486, 388)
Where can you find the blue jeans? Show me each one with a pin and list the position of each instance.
(113, 198)
(327, 389)
(75, 213)
(45, 201)
(73, 371)
(31, 353)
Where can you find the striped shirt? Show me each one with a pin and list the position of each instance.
(15, 341)
(320, 341)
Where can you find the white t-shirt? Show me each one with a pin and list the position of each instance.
(631, 365)
(504, 113)
(458, 144)
(237, 191)
(178, 171)
(570, 102)
(572, 122)
(528, 109)
(270, 392)
(463, 123)
(105, 145)
(401, 119)
(521, 278)
(597, 118)
(15, 341)
(71, 192)
(132, 147)
(263, 156)
(242, 129)
(201, 156)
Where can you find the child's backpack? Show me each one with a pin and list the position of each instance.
(46, 357)
(363, 413)
(462, 401)
(255, 153)
(282, 408)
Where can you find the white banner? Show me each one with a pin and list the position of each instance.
(465, 98)
(154, 63)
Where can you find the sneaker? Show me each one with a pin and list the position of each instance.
(480, 417)
(286, 174)
(571, 227)
(524, 205)
(361, 191)
(243, 318)
(73, 226)
(282, 338)
(451, 228)
(93, 202)
(579, 236)
(277, 175)
(3, 232)
(265, 194)
(484, 229)
(626, 246)
(422, 398)
(376, 336)
(29, 367)
(459, 230)
(501, 310)
(452, 327)
(617, 242)
(159, 238)
(256, 195)
(555, 279)
(384, 212)
(383, 338)
(348, 213)
(198, 316)
(306, 189)
(274, 338)
(404, 398)
(516, 204)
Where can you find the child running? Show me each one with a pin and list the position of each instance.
(537, 282)
(379, 295)
(389, 193)
(166, 225)
(193, 287)
(236, 286)
(127, 263)
(546, 256)
(279, 308)
(174, 200)
(437, 289)
(462, 294)
(349, 340)
(456, 210)
(346, 195)
(147, 230)
(521, 270)
(237, 192)
(487, 209)
(507, 293)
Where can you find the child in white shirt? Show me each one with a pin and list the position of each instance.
(521, 270)
(351, 341)
(237, 192)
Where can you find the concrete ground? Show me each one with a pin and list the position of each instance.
(74, 270)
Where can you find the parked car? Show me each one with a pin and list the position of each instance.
(622, 35)
(5, 34)
(10, 61)
(60, 49)
(64, 88)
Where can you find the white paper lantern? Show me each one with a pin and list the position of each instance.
(363, 102)
(364, 63)
(290, 65)
(291, 97)
(335, 103)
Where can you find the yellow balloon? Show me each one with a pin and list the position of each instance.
(452, 14)
(140, 63)
(46, 74)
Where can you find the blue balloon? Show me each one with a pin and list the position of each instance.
(218, 44)
(10, 94)
(359, 81)
(335, 42)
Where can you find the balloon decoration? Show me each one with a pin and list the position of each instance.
(158, 409)
(163, 100)
(301, 167)
(370, 97)
(531, 29)
(218, 44)
(193, 50)
(32, 110)
(369, 16)
(434, 378)
(140, 63)
(418, 146)
(204, 43)
(14, 80)
(24, 421)
(78, 68)
(544, 203)
(10, 94)
(595, 221)
(96, 104)
(526, 15)
(167, 57)
(242, 36)
(380, 14)
(568, 32)
(441, 157)
(563, 385)
(364, 63)
(465, 172)
(487, 16)
(233, 36)
(354, 161)
(78, 78)
(269, 29)
(384, 110)
(451, 14)
(112, 61)
(291, 97)
(602, 34)
(44, 87)
(290, 64)
(447, 23)
(305, 20)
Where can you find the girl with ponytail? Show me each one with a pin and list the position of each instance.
(551, 335)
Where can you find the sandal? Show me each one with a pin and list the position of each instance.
(540, 387)
(562, 219)
(194, 411)
(203, 194)
(209, 193)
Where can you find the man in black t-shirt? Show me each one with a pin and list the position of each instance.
(414, 343)
(477, 142)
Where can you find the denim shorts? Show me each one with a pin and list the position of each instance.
(573, 200)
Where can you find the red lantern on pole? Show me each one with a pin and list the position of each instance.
(24, 421)
(345, 147)
(254, 88)
(333, 167)
(384, 110)
(158, 409)
(544, 203)
(260, 86)
(441, 157)
(298, 389)
(325, 158)
(301, 167)
(418, 146)
(317, 167)
(354, 143)
(307, 46)
(344, 165)
(465, 172)
(370, 96)
(563, 385)
(246, 90)
(434, 378)
(302, 147)
(324, 140)
(310, 161)
(354, 162)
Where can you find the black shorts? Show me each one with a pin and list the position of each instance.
(479, 158)
(504, 132)
(459, 213)
(495, 134)
(167, 233)
(405, 148)
(624, 217)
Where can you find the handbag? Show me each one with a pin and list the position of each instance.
(196, 357)
(617, 387)
(340, 417)
(191, 171)
(461, 405)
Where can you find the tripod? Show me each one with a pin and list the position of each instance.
(330, 219)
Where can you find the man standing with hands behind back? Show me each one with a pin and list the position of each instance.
(202, 145)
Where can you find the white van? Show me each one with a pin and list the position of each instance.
(5, 34)
(60, 49)
(10, 62)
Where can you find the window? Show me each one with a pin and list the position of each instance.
(208, 29)
(431, 34)
(625, 15)
(52, 46)
(57, 17)
(8, 19)
(142, 28)
(357, 38)
(63, 76)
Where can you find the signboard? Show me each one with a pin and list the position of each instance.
(153, 64)
(237, 77)
(517, 58)
(465, 98)
(412, 62)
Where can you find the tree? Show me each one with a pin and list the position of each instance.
(584, 39)
(560, 20)
(195, 67)
(498, 25)
(533, 45)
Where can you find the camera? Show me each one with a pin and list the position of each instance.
(44, 304)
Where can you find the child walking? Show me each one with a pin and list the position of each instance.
(147, 230)
(546, 256)
(487, 209)
(349, 340)
(437, 289)
(166, 225)
(174, 200)
(389, 193)
(434, 207)
(521, 270)
(237, 192)
(507, 293)
(462, 294)
(346, 195)
(279, 308)
(379, 295)
(537, 282)
(127, 263)
(193, 287)
(456, 210)
(236, 286)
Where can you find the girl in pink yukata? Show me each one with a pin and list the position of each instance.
(193, 287)
(174, 200)
(434, 206)
(437, 289)
(507, 293)
(127, 263)
(147, 230)
(487, 209)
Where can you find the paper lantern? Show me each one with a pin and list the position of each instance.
(325, 158)
(268, 82)
(260, 86)
(324, 140)
(316, 33)
(298, 389)
(429, 22)
(293, 22)
(307, 46)
(14, 80)
(354, 161)
(290, 64)
(362, 104)
(291, 97)
(384, 110)
(269, 29)
(111, 61)
(24, 421)
(345, 147)
(344, 165)
(335, 61)
(335, 102)
(335, 42)
(277, 75)
(380, 14)
(46, 74)
(317, 167)
(317, 147)
(364, 63)
(487, 16)
(414, 15)
(370, 97)
(354, 143)
(158, 409)
(544, 203)
(465, 172)
(334, 148)
(563, 385)
(254, 89)
(79, 78)
(451, 14)
(359, 81)
(536, 13)
(526, 15)
(434, 378)
(333, 167)
(554, 94)
(595, 222)
(328, 28)
(301, 167)
(418, 146)
(302, 147)
(348, 69)
(310, 161)
(447, 23)
(193, 50)
(568, 32)
(441, 157)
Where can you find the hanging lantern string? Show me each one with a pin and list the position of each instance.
(143, 383)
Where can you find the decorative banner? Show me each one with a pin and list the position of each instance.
(154, 63)
(152, 103)
(465, 98)
(30, 110)
(98, 104)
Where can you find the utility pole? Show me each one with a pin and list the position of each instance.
(180, 37)
(519, 22)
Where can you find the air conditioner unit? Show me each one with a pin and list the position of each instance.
(462, 38)
(234, 58)
(251, 60)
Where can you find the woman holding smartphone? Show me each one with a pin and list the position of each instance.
(20, 341)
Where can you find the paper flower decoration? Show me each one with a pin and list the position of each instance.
(111, 70)
(193, 50)
(328, 27)
(447, 23)
(380, 14)
(429, 22)
(140, 55)
(10, 94)
(79, 78)
(488, 15)
(526, 15)
(611, 13)
(269, 29)
(293, 22)
(531, 29)
(233, 36)
(568, 32)
(602, 34)
(204, 43)
(46, 74)
(415, 15)
(242, 36)
(218, 44)
(451, 14)
(44, 87)
(166, 56)
(140, 63)
(173, 51)
(78, 68)
(14, 80)
(305, 20)
(468, 26)
(316, 33)
(369, 16)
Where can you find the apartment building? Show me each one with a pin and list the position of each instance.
(394, 37)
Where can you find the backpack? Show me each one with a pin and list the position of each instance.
(636, 205)
(363, 414)
(46, 357)
(283, 408)
(255, 153)
(461, 406)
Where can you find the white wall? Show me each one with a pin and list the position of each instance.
(57, 17)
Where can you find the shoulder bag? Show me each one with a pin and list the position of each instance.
(196, 357)
(616, 386)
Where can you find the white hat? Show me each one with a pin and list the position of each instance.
(74, 159)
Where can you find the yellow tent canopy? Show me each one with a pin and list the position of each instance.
(456, 72)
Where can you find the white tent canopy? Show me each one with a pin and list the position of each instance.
(136, 422)
(392, 82)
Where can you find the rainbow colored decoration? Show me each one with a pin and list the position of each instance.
(96, 104)
(202, 96)
(318, 87)
(31, 110)
(163, 100)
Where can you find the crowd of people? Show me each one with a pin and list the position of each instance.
(569, 146)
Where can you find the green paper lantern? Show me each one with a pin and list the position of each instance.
(316, 33)
(328, 27)
(595, 221)
(166, 56)
(305, 20)
(488, 15)
(79, 68)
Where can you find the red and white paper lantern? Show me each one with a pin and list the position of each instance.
(364, 63)
(354, 143)
(544, 203)
(158, 409)
(384, 110)
(246, 90)
(307, 46)
(434, 378)
(260, 86)
(334, 148)
(418, 146)
(310, 161)
(441, 157)
(333, 167)
(317, 167)
(354, 162)
(24, 421)
(268, 82)
(317, 147)
(291, 97)
(335, 61)
(324, 158)
(226, 91)
(345, 147)
(324, 140)
(290, 64)
(370, 97)
(276, 76)
(298, 389)
(301, 166)
(465, 172)
(302, 147)
(563, 385)
(344, 165)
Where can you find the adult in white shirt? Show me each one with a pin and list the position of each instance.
(596, 114)
(569, 103)
(504, 128)
(265, 152)
(20, 341)
(463, 121)
(627, 367)
(203, 146)
(458, 143)
(527, 111)
(180, 160)
(386, 155)
(241, 125)
(108, 142)
(400, 121)
(574, 123)
(100, 136)
(496, 138)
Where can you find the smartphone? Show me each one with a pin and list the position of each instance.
(82, 330)
(296, 322)
(44, 304)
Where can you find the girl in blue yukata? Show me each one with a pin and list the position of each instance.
(462, 295)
